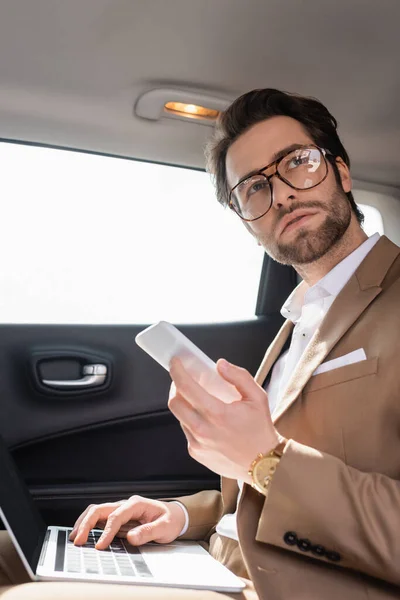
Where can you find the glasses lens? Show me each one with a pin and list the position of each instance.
(252, 197)
(303, 168)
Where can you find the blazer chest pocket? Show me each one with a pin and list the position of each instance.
(342, 374)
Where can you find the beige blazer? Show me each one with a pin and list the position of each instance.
(330, 527)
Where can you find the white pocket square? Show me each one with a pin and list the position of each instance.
(341, 361)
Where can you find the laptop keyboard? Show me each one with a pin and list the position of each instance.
(119, 558)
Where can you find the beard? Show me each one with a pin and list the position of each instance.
(311, 245)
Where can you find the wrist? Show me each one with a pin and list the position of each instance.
(276, 440)
(263, 467)
(181, 514)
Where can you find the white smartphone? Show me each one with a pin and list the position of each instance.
(163, 341)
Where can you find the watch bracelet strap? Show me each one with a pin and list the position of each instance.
(280, 447)
(276, 452)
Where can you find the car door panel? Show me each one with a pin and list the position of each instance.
(80, 446)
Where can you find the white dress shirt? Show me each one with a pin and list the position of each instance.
(306, 307)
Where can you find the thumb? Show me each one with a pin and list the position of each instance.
(148, 532)
(240, 378)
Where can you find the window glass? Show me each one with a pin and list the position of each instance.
(373, 220)
(95, 239)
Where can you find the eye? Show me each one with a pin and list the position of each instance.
(257, 186)
(298, 161)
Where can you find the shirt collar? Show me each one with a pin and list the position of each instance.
(330, 285)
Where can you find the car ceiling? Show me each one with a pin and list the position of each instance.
(71, 71)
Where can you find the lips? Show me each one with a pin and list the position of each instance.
(295, 220)
(289, 220)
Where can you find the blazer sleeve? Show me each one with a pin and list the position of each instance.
(320, 507)
(205, 510)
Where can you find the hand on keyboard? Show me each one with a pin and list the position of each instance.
(154, 521)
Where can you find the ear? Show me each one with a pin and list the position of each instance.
(344, 173)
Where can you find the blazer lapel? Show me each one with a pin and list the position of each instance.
(358, 293)
(229, 487)
(273, 352)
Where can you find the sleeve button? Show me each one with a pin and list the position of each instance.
(290, 538)
(318, 550)
(304, 545)
(333, 556)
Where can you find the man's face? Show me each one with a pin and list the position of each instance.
(312, 237)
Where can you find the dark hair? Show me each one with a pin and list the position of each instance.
(259, 105)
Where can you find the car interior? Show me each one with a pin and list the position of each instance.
(109, 221)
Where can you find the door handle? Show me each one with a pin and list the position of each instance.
(93, 376)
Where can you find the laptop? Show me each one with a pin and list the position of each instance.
(48, 555)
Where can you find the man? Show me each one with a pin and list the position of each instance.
(310, 495)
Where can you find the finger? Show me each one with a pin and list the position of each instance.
(185, 413)
(148, 532)
(94, 514)
(190, 439)
(192, 391)
(193, 445)
(241, 379)
(110, 506)
(111, 529)
(79, 520)
(117, 519)
(123, 530)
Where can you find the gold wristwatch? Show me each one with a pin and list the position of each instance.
(263, 467)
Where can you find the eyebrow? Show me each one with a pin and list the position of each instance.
(275, 157)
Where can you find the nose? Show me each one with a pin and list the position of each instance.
(282, 194)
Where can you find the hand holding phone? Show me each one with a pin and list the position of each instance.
(163, 342)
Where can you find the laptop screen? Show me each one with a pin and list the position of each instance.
(18, 511)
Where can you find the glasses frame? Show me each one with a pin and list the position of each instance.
(325, 153)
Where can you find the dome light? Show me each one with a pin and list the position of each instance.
(190, 105)
(191, 111)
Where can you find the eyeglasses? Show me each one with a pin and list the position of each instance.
(301, 169)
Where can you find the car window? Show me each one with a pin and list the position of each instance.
(95, 239)
(373, 219)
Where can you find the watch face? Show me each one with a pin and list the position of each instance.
(264, 471)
